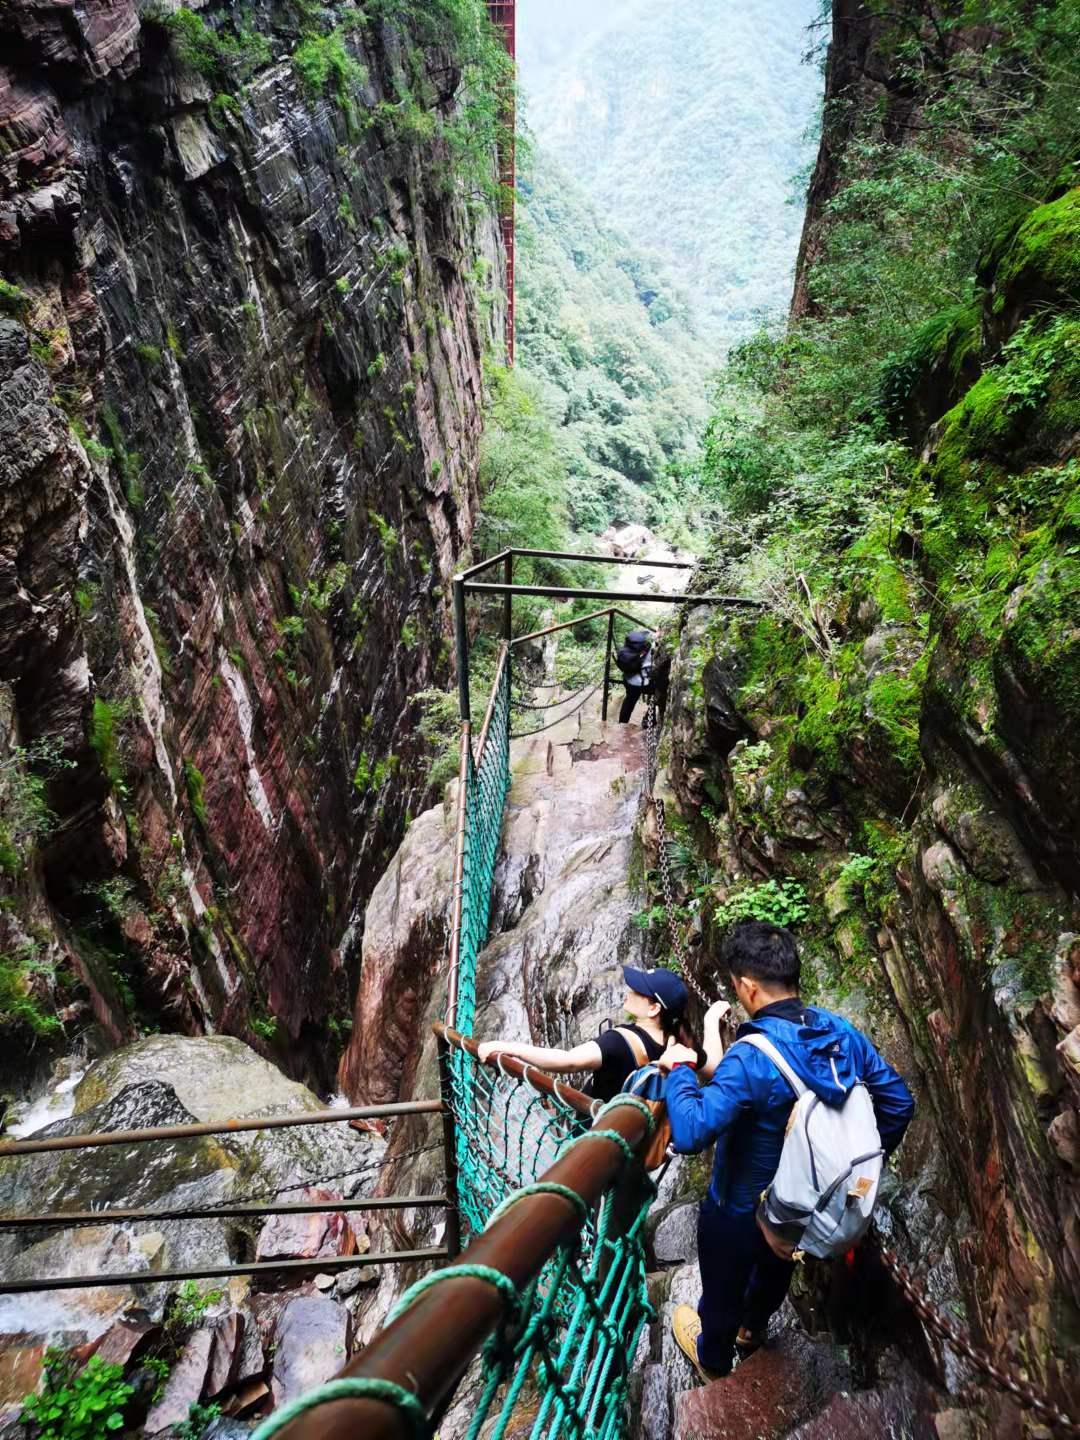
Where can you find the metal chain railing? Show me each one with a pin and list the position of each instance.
(1025, 1394)
(1022, 1390)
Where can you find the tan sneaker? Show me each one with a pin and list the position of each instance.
(686, 1327)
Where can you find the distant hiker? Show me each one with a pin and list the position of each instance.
(641, 674)
(745, 1108)
(655, 1003)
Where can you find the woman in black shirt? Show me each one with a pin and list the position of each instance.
(655, 1006)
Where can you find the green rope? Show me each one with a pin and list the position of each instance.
(637, 1103)
(505, 1286)
(356, 1388)
(624, 1145)
(540, 1187)
(558, 1367)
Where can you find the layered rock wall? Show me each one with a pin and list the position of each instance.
(240, 345)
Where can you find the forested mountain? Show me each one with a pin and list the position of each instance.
(685, 124)
(607, 338)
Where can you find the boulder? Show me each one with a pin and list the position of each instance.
(306, 1237)
(675, 1237)
(312, 1339)
(782, 1385)
(185, 1385)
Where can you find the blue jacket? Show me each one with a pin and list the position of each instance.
(746, 1104)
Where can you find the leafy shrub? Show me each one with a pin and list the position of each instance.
(782, 902)
(77, 1405)
(189, 1306)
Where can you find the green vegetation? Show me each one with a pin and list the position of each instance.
(77, 1404)
(613, 365)
(265, 1026)
(685, 124)
(196, 786)
(371, 775)
(150, 355)
(388, 536)
(189, 1305)
(25, 817)
(322, 61)
(105, 718)
(20, 1009)
(780, 902)
(13, 301)
(129, 461)
(225, 56)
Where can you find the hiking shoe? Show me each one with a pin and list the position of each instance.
(686, 1327)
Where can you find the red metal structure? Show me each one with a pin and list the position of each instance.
(504, 17)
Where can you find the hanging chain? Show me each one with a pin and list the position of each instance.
(1022, 1390)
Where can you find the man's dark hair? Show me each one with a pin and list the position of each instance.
(762, 952)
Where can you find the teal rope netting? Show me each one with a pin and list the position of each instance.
(564, 1369)
(559, 1363)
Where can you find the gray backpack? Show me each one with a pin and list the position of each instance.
(822, 1198)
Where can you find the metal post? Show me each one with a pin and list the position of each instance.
(508, 599)
(452, 1231)
(461, 639)
(607, 662)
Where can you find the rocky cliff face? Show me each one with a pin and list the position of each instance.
(241, 334)
(905, 757)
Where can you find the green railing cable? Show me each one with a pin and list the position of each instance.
(557, 1366)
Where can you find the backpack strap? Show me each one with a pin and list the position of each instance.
(766, 1047)
(637, 1048)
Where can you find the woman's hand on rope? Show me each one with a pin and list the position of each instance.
(677, 1055)
(717, 1012)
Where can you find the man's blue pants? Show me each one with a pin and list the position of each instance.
(742, 1281)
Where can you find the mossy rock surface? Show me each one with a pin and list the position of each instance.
(1044, 254)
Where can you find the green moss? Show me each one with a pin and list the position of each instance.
(1045, 637)
(13, 301)
(149, 354)
(104, 718)
(1046, 248)
(196, 788)
(893, 703)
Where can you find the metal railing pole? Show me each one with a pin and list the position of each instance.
(607, 662)
(428, 1348)
(508, 599)
(458, 899)
(452, 1229)
(218, 1127)
(461, 640)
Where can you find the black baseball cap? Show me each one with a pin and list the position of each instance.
(662, 985)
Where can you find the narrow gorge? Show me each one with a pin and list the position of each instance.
(255, 418)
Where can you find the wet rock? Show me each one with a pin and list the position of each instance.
(122, 1340)
(880, 1414)
(185, 1385)
(21, 1363)
(654, 1413)
(225, 1429)
(312, 1339)
(302, 1237)
(675, 1237)
(226, 1352)
(405, 934)
(779, 1387)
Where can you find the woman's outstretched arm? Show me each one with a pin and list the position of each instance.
(581, 1057)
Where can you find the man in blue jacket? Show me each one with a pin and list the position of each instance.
(745, 1109)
